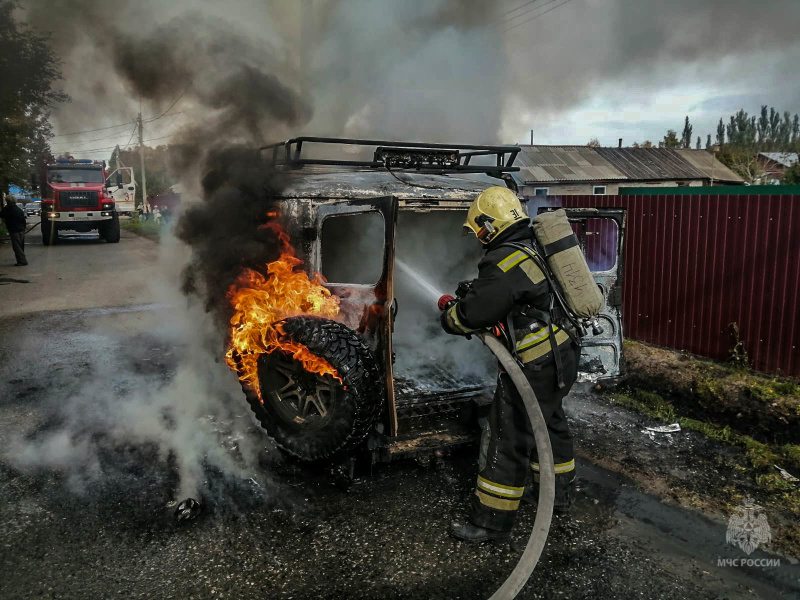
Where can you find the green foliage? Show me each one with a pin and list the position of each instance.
(593, 143)
(671, 139)
(686, 136)
(148, 228)
(739, 357)
(28, 69)
(759, 454)
(647, 402)
(773, 390)
(744, 136)
(774, 482)
(791, 176)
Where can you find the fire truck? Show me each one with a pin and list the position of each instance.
(75, 197)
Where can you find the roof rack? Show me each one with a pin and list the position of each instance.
(437, 158)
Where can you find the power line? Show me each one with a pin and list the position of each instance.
(186, 89)
(107, 137)
(525, 12)
(130, 138)
(508, 12)
(539, 15)
(92, 130)
(521, 16)
(171, 106)
(163, 137)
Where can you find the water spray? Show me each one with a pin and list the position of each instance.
(547, 483)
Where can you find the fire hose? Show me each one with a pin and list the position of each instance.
(547, 482)
(547, 476)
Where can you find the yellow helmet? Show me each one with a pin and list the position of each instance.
(492, 212)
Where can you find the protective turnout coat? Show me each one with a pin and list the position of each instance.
(512, 290)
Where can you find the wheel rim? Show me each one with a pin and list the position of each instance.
(303, 400)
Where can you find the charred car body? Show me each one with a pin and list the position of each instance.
(384, 233)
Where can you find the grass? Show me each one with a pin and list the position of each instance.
(149, 229)
(761, 456)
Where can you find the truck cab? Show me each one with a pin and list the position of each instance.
(74, 197)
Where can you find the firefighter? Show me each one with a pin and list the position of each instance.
(513, 291)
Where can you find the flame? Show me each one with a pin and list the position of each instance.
(260, 301)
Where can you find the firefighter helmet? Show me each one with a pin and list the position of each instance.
(492, 212)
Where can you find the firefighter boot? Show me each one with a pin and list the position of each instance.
(469, 532)
(565, 494)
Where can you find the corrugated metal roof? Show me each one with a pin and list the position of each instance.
(787, 159)
(650, 163)
(584, 163)
(564, 163)
(710, 166)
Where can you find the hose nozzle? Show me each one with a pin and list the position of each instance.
(445, 302)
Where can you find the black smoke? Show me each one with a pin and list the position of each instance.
(226, 230)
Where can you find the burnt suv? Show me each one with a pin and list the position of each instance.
(384, 230)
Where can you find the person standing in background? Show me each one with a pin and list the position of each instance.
(14, 218)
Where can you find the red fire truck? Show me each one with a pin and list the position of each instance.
(75, 197)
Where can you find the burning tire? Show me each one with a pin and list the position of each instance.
(313, 417)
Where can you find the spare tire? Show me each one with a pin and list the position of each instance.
(312, 417)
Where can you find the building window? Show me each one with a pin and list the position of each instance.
(599, 190)
(541, 191)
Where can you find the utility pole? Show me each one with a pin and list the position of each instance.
(145, 203)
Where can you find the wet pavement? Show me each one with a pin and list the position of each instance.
(104, 527)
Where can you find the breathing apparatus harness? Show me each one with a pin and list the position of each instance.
(558, 312)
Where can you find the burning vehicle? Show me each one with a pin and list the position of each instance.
(337, 343)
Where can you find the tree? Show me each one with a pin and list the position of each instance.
(28, 69)
(763, 126)
(671, 139)
(699, 143)
(720, 132)
(744, 161)
(593, 143)
(786, 130)
(774, 124)
(708, 142)
(791, 176)
(686, 137)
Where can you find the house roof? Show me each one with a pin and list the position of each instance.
(787, 159)
(709, 165)
(584, 163)
(564, 163)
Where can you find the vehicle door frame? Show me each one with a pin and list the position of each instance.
(376, 299)
(610, 282)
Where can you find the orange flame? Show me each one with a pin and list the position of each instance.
(259, 302)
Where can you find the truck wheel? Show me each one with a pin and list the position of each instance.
(49, 232)
(110, 230)
(312, 417)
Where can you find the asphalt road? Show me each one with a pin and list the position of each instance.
(101, 423)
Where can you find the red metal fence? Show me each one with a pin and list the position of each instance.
(696, 264)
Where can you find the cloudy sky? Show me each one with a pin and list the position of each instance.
(457, 70)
